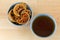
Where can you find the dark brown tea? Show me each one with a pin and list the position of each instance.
(43, 26)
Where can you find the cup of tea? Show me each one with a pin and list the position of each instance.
(43, 25)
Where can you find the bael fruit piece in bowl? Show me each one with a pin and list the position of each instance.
(19, 8)
(11, 16)
(19, 13)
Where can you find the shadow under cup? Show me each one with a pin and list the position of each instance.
(43, 25)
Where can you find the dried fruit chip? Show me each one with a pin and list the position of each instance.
(19, 8)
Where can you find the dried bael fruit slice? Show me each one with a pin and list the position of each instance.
(20, 13)
(11, 16)
(24, 18)
(27, 11)
(19, 8)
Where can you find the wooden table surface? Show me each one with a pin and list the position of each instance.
(8, 31)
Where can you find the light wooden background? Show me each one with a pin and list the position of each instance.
(9, 31)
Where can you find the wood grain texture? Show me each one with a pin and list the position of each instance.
(8, 31)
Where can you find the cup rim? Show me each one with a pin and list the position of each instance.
(14, 5)
(49, 17)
